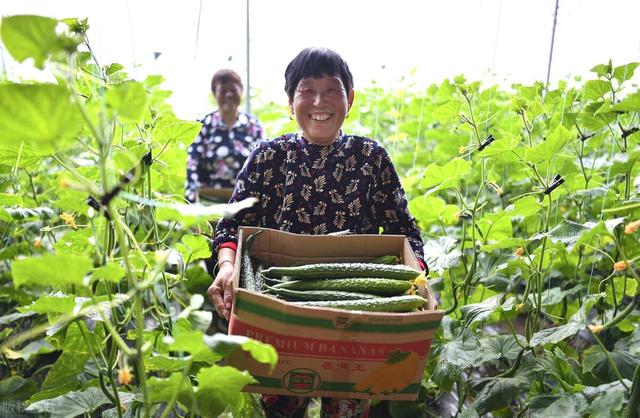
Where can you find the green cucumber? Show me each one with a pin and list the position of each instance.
(345, 270)
(248, 278)
(384, 287)
(317, 295)
(406, 303)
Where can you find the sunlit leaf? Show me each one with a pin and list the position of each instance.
(56, 271)
(28, 36)
(441, 254)
(225, 344)
(194, 247)
(47, 110)
(219, 387)
(128, 99)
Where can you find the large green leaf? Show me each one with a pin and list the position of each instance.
(447, 112)
(556, 334)
(56, 271)
(170, 129)
(624, 72)
(548, 149)
(568, 406)
(474, 312)
(441, 254)
(596, 89)
(110, 272)
(128, 100)
(32, 349)
(194, 247)
(223, 345)
(54, 303)
(608, 405)
(631, 103)
(453, 357)
(162, 390)
(430, 209)
(436, 177)
(597, 362)
(219, 387)
(28, 36)
(497, 392)
(71, 404)
(16, 388)
(41, 114)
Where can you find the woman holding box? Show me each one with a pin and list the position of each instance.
(316, 181)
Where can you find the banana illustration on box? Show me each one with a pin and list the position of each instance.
(393, 376)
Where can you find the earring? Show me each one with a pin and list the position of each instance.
(347, 117)
(291, 113)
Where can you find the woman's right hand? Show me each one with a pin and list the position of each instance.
(221, 291)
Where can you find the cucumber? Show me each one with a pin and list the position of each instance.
(406, 303)
(318, 295)
(384, 259)
(345, 270)
(384, 287)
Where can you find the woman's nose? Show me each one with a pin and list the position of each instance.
(318, 97)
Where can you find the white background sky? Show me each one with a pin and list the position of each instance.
(497, 41)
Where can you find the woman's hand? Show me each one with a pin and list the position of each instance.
(221, 291)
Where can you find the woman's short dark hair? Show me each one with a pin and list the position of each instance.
(224, 76)
(316, 62)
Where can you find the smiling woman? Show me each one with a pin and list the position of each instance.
(317, 181)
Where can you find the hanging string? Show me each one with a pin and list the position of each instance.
(195, 49)
(133, 46)
(553, 38)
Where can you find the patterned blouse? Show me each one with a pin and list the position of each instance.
(312, 189)
(217, 154)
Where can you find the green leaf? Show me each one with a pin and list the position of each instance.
(165, 363)
(56, 271)
(34, 348)
(548, 149)
(495, 227)
(219, 387)
(497, 392)
(194, 247)
(439, 177)
(596, 89)
(170, 129)
(556, 334)
(607, 404)
(624, 72)
(631, 103)
(479, 311)
(77, 242)
(30, 37)
(453, 357)
(527, 206)
(224, 345)
(128, 100)
(47, 110)
(430, 209)
(71, 404)
(16, 388)
(596, 362)
(162, 390)
(111, 272)
(441, 254)
(55, 303)
(447, 112)
(66, 369)
(10, 199)
(571, 406)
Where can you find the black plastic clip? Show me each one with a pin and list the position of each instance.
(629, 131)
(96, 205)
(147, 159)
(488, 140)
(557, 181)
(585, 137)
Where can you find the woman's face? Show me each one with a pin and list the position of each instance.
(320, 106)
(228, 96)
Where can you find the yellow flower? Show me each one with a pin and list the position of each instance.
(461, 150)
(125, 377)
(37, 243)
(420, 280)
(519, 307)
(596, 329)
(632, 227)
(519, 252)
(620, 265)
(69, 219)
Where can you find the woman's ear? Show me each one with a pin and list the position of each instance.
(350, 97)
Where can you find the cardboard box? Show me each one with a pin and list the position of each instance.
(331, 352)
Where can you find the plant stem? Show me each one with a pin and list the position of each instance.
(610, 360)
(634, 398)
